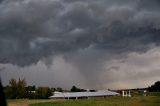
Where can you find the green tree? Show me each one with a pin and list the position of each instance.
(155, 87)
(75, 89)
(21, 88)
(8, 92)
(59, 89)
(31, 95)
(13, 88)
(43, 92)
(30, 92)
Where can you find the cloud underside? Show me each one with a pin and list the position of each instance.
(98, 39)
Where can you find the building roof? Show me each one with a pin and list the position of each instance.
(83, 94)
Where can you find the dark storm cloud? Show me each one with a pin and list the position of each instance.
(100, 43)
(32, 30)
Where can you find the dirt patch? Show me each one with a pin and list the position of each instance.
(18, 104)
(27, 102)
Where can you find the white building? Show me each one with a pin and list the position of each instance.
(77, 95)
(126, 93)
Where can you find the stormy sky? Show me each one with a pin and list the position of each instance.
(96, 44)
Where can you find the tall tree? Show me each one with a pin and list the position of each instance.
(73, 89)
(14, 90)
(21, 88)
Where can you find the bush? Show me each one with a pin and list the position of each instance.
(43, 92)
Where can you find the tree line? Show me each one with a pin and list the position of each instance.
(155, 87)
(18, 89)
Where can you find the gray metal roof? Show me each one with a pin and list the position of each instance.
(83, 94)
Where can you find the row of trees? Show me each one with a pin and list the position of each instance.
(15, 89)
(19, 89)
(76, 89)
(155, 87)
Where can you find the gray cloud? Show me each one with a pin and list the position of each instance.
(87, 33)
(32, 30)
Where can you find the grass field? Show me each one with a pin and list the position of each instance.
(152, 100)
(109, 101)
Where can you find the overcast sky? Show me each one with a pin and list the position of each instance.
(97, 44)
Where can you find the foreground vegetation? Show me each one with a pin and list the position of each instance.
(109, 101)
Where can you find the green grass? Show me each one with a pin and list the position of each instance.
(109, 101)
(154, 94)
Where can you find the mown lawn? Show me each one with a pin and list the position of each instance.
(109, 101)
